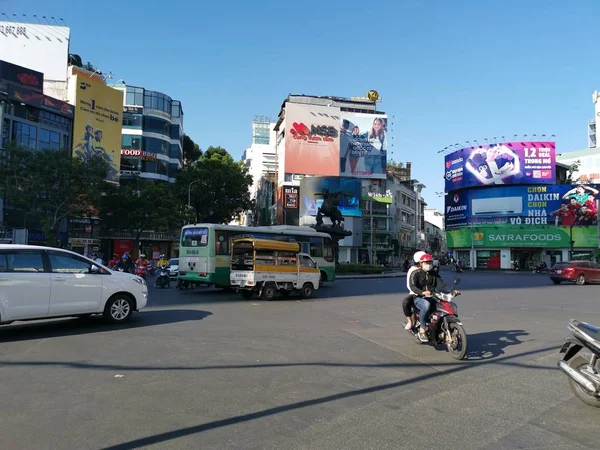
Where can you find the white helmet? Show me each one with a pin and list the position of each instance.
(417, 256)
(142, 256)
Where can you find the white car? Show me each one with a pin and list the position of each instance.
(43, 282)
(173, 267)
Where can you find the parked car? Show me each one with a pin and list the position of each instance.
(173, 267)
(579, 272)
(43, 282)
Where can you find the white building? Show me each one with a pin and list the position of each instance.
(589, 164)
(261, 156)
(435, 217)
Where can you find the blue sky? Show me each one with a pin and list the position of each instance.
(448, 71)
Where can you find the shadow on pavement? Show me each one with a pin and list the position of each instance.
(242, 418)
(95, 324)
(491, 344)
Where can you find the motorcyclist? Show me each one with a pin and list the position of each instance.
(142, 261)
(436, 266)
(423, 283)
(542, 266)
(114, 261)
(162, 261)
(408, 301)
(126, 264)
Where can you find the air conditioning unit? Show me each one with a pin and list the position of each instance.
(497, 206)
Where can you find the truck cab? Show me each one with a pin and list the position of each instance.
(265, 267)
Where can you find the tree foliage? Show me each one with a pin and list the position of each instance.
(140, 205)
(220, 189)
(50, 185)
(191, 151)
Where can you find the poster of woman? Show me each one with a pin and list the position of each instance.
(363, 145)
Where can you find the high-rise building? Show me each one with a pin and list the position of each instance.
(260, 157)
(152, 135)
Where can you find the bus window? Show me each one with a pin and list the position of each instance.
(222, 242)
(316, 247)
(328, 250)
(194, 237)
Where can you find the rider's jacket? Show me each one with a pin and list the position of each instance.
(421, 281)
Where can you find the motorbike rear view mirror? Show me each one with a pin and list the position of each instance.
(456, 280)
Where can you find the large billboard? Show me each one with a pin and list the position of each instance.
(98, 121)
(312, 143)
(22, 76)
(523, 216)
(504, 163)
(363, 145)
(40, 47)
(348, 190)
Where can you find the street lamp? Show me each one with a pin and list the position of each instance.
(571, 241)
(189, 203)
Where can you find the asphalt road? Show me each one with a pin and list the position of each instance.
(207, 369)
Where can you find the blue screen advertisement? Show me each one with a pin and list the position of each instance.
(348, 190)
(559, 205)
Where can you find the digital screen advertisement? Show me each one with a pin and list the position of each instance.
(363, 145)
(523, 216)
(504, 163)
(346, 189)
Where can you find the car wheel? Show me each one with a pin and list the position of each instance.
(307, 290)
(580, 280)
(268, 292)
(556, 281)
(119, 309)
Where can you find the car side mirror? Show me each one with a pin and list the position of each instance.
(95, 269)
(456, 280)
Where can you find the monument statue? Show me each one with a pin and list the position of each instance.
(336, 230)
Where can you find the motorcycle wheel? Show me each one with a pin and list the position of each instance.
(460, 350)
(415, 334)
(586, 397)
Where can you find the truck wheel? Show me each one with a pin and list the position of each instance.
(307, 290)
(268, 292)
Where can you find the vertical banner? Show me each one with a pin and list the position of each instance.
(97, 124)
(363, 145)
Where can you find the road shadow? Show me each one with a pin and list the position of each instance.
(71, 326)
(491, 344)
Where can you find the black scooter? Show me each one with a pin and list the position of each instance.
(583, 373)
(163, 280)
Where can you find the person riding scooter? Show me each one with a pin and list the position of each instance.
(543, 266)
(423, 283)
(409, 300)
(126, 264)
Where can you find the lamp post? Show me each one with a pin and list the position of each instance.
(571, 241)
(189, 203)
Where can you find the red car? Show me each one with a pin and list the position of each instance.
(579, 272)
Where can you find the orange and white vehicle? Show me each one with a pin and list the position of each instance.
(265, 266)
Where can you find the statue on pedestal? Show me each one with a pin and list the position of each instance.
(330, 209)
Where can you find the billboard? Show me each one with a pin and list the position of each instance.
(363, 145)
(513, 216)
(40, 100)
(21, 76)
(311, 198)
(288, 198)
(504, 163)
(312, 144)
(44, 48)
(98, 121)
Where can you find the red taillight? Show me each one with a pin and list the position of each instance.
(201, 274)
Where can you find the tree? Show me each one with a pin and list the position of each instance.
(220, 189)
(50, 185)
(139, 206)
(191, 151)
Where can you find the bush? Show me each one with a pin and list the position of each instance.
(359, 268)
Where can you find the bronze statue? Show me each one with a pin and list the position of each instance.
(330, 209)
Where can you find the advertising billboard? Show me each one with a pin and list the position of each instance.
(512, 216)
(288, 207)
(21, 76)
(42, 101)
(44, 48)
(97, 124)
(348, 190)
(312, 139)
(504, 163)
(363, 145)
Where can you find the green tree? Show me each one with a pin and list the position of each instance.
(140, 206)
(220, 189)
(191, 151)
(50, 185)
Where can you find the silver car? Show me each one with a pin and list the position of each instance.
(173, 267)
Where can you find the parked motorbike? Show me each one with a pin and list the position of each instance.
(141, 271)
(444, 326)
(541, 270)
(583, 373)
(152, 268)
(458, 267)
(163, 280)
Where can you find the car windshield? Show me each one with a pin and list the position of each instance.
(174, 262)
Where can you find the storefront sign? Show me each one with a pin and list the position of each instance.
(81, 241)
(133, 109)
(33, 98)
(144, 156)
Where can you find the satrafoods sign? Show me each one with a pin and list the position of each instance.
(507, 237)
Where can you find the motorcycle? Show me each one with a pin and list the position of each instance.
(152, 267)
(583, 373)
(141, 271)
(444, 326)
(163, 280)
(458, 267)
(541, 270)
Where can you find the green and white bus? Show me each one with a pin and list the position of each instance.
(205, 247)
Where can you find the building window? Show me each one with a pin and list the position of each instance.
(174, 132)
(155, 125)
(49, 139)
(129, 142)
(158, 101)
(175, 151)
(25, 135)
(132, 120)
(176, 109)
(134, 96)
(154, 145)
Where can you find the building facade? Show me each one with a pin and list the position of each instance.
(152, 135)
(261, 157)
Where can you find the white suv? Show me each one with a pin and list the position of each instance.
(43, 282)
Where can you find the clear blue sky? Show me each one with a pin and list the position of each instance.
(448, 71)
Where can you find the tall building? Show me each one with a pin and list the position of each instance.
(260, 157)
(152, 135)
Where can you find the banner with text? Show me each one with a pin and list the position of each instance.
(363, 145)
(504, 163)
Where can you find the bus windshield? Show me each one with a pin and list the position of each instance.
(194, 237)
